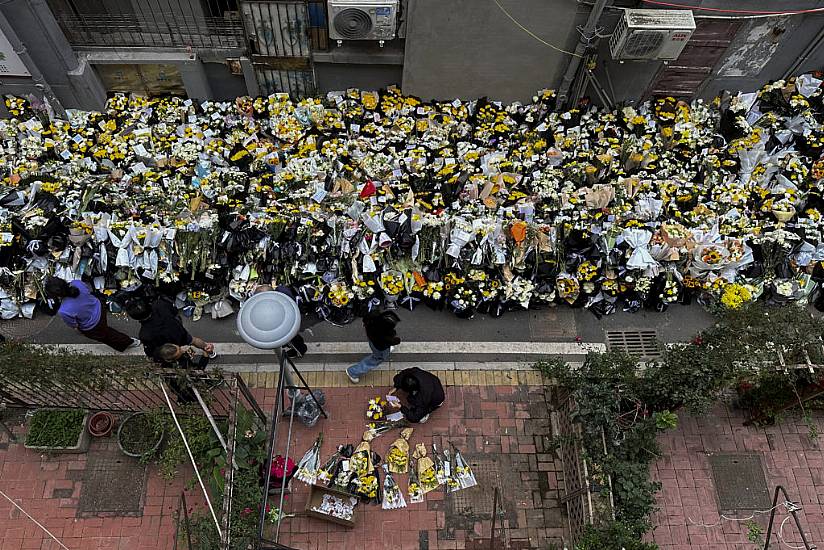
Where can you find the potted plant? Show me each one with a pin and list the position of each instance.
(57, 431)
(101, 424)
(138, 436)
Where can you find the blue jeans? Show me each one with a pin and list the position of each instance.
(370, 361)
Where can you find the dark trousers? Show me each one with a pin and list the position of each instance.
(105, 334)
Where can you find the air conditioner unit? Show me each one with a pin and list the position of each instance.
(651, 34)
(362, 19)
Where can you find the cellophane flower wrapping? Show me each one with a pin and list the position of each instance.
(392, 495)
(309, 465)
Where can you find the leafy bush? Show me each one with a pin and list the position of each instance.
(630, 403)
(55, 428)
(615, 535)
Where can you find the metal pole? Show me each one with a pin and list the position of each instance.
(269, 447)
(585, 41)
(494, 519)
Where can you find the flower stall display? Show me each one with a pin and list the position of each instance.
(363, 198)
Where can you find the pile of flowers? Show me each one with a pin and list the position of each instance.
(362, 198)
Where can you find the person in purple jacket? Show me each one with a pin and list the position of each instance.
(81, 310)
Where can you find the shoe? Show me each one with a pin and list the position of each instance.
(212, 355)
(135, 343)
(353, 379)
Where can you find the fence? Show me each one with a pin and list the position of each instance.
(128, 393)
(587, 501)
(151, 23)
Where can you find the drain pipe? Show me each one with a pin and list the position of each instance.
(585, 41)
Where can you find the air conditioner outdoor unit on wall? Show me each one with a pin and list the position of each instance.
(362, 19)
(651, 34)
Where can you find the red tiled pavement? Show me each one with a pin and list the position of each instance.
(508, 424)
(688, 515)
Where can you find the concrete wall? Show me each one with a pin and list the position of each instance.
(340, 76)
(49, 57)
(224, 84)
(469, 48)
(762, 50)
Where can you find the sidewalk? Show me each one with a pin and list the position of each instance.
(689, 515)
(498, 419)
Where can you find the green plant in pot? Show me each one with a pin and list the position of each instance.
(139, 436)
(57, 430)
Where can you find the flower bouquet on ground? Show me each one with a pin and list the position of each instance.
(392, 495)
(398, 455)
(427, 472)
(310, 463)
(327, 472)
(374, 410)
(365, 483)
(440, 466)
(344, 470)
(415, 490)
(452, 483)
(391, 282)
(463, 473)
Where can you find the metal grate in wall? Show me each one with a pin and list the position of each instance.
(643, 343)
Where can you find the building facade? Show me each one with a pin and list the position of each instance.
(76, 52)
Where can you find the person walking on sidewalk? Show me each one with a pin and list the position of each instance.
(160, 324)
(81, 310)
(380, 332)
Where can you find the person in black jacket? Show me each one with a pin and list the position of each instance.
(160, 324)
(380, 332)
(424, 393)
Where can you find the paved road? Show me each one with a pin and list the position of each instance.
(429, 336)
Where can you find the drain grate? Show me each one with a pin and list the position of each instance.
(643, 343)
(112, 484)
(478, 501)
(739, 481)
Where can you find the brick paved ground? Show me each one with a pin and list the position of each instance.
(499, 420)
(48, 488)
(688, 498)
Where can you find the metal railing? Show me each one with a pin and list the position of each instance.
(129, 393)
(587, 502)
(167, 23)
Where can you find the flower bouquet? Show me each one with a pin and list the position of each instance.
(568, 287)
(392, 495)
(675, 234)
(327, 472)
(398, 455)
(367, 487)
(463, 472)
(310, 463)
(344, 470)
(735, 296)
(374, 410)
(427, 472)
(391, 282)
(414, 489)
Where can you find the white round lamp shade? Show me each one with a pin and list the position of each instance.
(268, 320)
